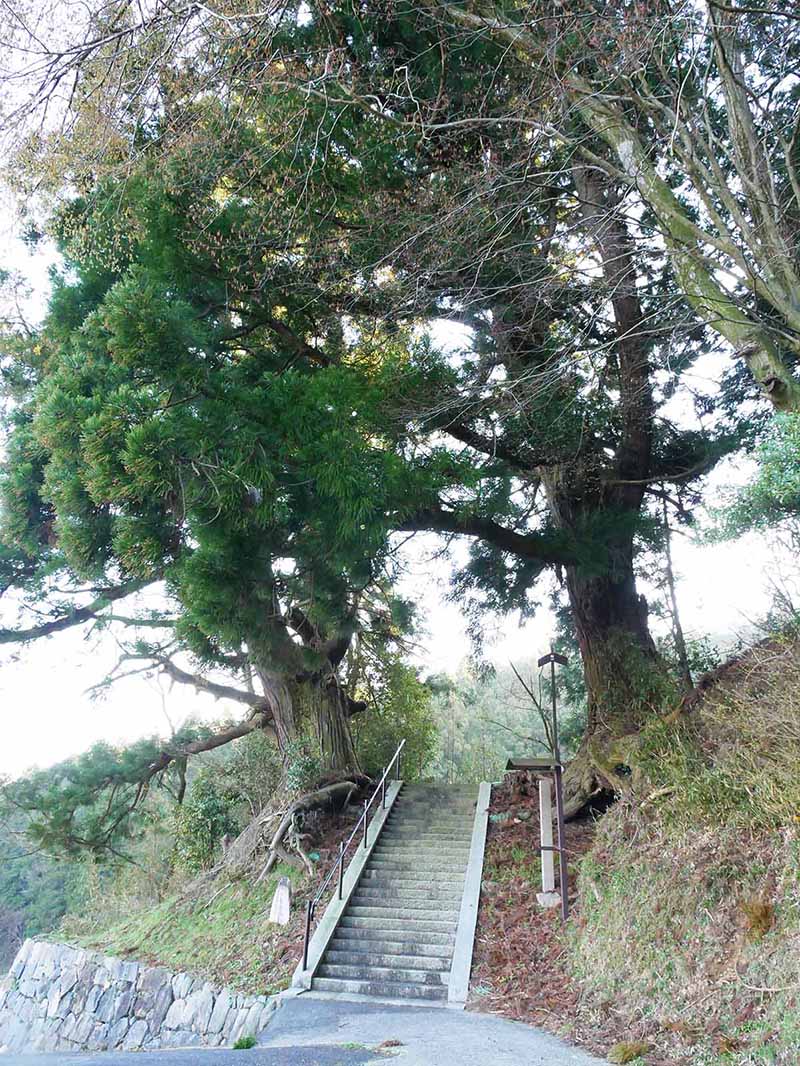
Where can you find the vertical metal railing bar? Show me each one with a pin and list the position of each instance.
(338, 866)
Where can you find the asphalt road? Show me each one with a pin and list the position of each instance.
(429, 1036)
(260, 1056)
(317, 1031)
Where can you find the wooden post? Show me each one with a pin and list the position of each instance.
(546, 835)
(548, 897)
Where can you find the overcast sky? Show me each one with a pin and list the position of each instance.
(47, 714)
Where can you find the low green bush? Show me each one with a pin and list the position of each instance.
(206, 815)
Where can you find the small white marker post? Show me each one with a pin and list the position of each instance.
(548, 897)
(281, 902)
(563, 887)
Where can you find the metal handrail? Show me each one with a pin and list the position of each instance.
(339, 864)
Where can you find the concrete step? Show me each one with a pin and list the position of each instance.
(379, 877)
(434, 859)
(417, 926)
(456, 852)
(383, 903)
(396, 937)
(379, 989)
(430, 835)
(383, 973)
(365, 910)
(412, 943)
(462, 829)
(417, 843)
(445, 811)
(400, 893)
(433, 963)
(401, 868)
(411, 904)
(433, 820)
(418, 859)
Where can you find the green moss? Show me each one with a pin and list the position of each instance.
(520, 864)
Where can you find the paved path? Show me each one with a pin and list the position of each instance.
(294, 1056)
(430, 1036)
(314, 1031)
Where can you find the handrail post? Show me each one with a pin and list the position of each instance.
(383, 788)
(309, 914)
(365, 822)
(341, 866)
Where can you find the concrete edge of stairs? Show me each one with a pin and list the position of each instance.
(326, 927)
(461, 968)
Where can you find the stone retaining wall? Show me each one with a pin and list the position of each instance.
(58, 998)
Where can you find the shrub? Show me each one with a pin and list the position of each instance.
(205, 817)
(401, 710)
(244, 1043)
(252, 772)
(303, 767)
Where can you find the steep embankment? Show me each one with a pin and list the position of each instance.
(685, 936)
(217, 927)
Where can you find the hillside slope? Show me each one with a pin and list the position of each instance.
(218, 927)
(685, 935)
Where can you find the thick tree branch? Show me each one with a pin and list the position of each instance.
(75, 617)
(258, 720)
(215, 688)
(547, 549)
(493, 447)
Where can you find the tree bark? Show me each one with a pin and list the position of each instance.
(626, 680)
(677, 628)
(279, 698)
(625, 677)
(323, 708)
(333, 729)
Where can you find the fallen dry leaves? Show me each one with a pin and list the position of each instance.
(520, 964)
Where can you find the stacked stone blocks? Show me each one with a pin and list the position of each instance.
(60, 998)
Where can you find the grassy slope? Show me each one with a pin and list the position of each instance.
(686, 930)
(223, 935)
(219, 929)
(696, 937)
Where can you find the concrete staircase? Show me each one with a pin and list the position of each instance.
(395, 938)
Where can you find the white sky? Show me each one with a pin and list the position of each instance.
(47, 715)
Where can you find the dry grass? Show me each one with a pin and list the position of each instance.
(732, 756)
(696, 935)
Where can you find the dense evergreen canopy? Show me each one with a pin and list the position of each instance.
(240, 389)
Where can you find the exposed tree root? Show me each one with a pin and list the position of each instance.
(281, 827)
(289, 826)
(603, 767)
